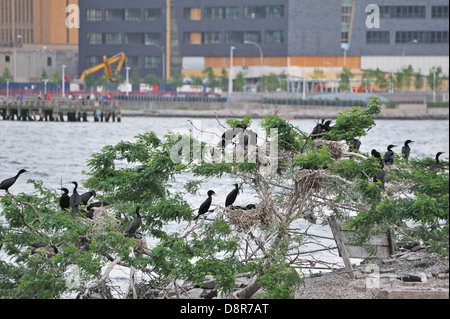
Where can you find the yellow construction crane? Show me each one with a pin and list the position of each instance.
(107, 62)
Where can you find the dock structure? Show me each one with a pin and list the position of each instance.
(60, 110)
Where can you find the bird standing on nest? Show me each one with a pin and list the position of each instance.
(231, 198)
(7, 183)
(134, 224)
(389, 155)
(64, 201)
(435, 166)
(204, 207)
(75, 199)
(406, 150)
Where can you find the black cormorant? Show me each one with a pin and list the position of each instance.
(135, 223)
(321, 128)
(406, 150)
(7, 183)
(232, 196)
(50, 251)
(355, 145)
(75, 199)
(381, 174)
(435, 166)
(389, 155)
(204, 207)
(87, 196)
(64, 201)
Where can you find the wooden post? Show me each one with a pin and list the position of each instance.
(337, 234)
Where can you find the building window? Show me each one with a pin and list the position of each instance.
(252, 36)
(385, 12)
(194, 14)
(260, 12)
(378, 37)
(439, 37)
(134, 38)
(410, 12)
(133, 62)
(192, 38)
(409, 37)
(153, 62)
(7, 58)
(152, 14)
(219, 13)
(49, 61)
(93, 15)
(113, 38)
(114, 15)
(94, 38)
(211, 38)
(439, 12)
(132, 14)
(92, 61)
(273, 37)
(152, 37)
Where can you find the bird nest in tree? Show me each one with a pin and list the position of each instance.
(244, 220)
(335, 148)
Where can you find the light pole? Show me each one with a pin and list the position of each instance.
(15, 56)
(163, 58)
(230, 77)
(260, 51)
(7, 90)
(63, 94)
(128, 79)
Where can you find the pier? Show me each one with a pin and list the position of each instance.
(60, 110)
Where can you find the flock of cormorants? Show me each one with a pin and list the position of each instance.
(75, 200)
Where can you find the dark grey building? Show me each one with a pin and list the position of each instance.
(290, 33)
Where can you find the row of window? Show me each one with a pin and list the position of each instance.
(126, 38)
(134, 62)
(384, 37)
(230, 37)
(209, 13)
(115, 15)
(230, 13)
(416, 12)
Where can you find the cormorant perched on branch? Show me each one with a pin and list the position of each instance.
(231, 198)
(389, 155)
(381, 174)
(435, 166)
(406, 150)
(64, 201)
(321, 128)
(49, 253)
(135, 223)
(204, 207)
(355, 145)
(87, 196)
(7, 183)
(75, 199)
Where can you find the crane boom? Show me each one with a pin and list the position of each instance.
(107, 62)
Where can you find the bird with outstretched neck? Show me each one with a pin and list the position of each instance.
(7, 183)
(406, 150)
(75, 199)
(231, 198)
(436, 165)
(389, 155)
(64, 200)
(204, 207)
(134, 224)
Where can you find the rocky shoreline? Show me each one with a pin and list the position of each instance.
(411, 273)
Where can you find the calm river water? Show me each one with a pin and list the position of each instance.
(57, 152)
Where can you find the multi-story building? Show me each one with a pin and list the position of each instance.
(34, 37)
(294, 36)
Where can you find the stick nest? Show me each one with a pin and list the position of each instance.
(245, 220)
